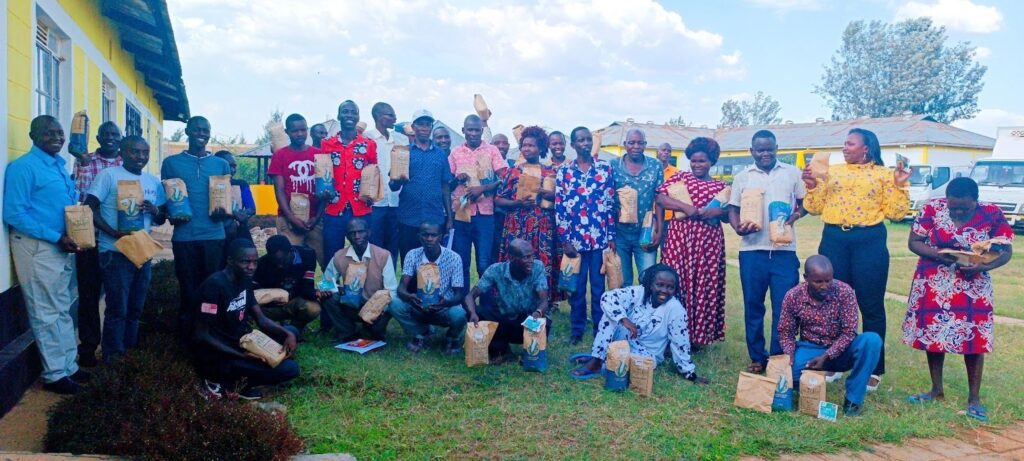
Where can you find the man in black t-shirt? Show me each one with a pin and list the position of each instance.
(226, 304)
(290, 268)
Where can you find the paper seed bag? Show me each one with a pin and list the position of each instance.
(220, 193)
(270, 295)
(264, 347)
(324, 180)
(428, 282)
(370, 186)
(628, 205)
(481, 107)
(529, 183)
(477, 340)
(79, 140)
(780, 233)
(375, 306)
(611, 267)
(236, 198)
(812, 391)
(299, 204)
(484, 170)
(79, 226)
(678, 191)
(752, 207)
(351, 288)
(547, 184)
(641, 374)
(819, 165)
(568, 273)
(535, 343)
(278, 137)
(399, 162)
(138, 247)
(754, 392)
(129, 206)
(778, 366)
(616, 366)
(178, 206)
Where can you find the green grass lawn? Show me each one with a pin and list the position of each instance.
(391, 404)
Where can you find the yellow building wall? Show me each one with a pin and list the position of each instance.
(86, 75)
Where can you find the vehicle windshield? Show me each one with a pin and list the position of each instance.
(999, 174)
(918, 174)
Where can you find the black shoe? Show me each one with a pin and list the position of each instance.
(81, 377)
(63, 386)
(575, 340)
(417, 344)
(453, 348)
(851, 409)
(250, 393)
(87, 358)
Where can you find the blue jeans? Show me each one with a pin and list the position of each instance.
(478, 233)
(417, 322)
(384, 230)
(760, 271)
(859, 359)
(590, 267)
(335, 228)
(627, 244)
(126, 288)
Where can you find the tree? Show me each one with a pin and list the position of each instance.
(883, 70)
(762, 110)
(177, 136)
(275, 117)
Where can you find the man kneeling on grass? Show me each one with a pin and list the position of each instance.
(650, 317)
(380, 275)
(436, 274)
(226, 303)
(825, 312)
(290, 268)
(510, 292)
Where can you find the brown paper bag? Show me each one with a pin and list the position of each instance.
(517, 132)
(472, 171)
(752, 207)
(528, 187)
(547, 184)
(617, 360)
(755, 392)
(981, 252)
(812, 391)
(477, 340)
(236, 198)
(535, 341)
(481, 107)
(819, 170)
(375, 306)
(596, 148)
(324, 167)
(270, 295)
(641, 375)
(723, 196)
(299, 204)
(678, 191)
(484, 170)
(355, 277)
(278, 137)
(399, 162)
(461, 211)
(138, 247)
(220, 193)
(628, 205)
(780, 233)
(264, 347)
(129, 205)
(79, 227)
(370, 186)
(611, 267)
(778, 365)
(428, 284)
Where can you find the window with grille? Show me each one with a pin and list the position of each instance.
(109, 101)
(132, 120)
(48, 71)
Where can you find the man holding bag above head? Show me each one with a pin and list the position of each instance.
(767, 258)
(125, 282)
(435, 273)
(198, 242)
(354, 276)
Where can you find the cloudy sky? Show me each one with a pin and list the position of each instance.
(559, 63)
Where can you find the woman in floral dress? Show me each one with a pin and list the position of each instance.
(950, 305)
(695, 246)
(525, 219)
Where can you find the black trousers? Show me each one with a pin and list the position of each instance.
(860, 257)
(193, 263)
(409, 239)
(510, 329)
(87, 269)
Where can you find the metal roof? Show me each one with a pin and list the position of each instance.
(891, 131)
(144, 27)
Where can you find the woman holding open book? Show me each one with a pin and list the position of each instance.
(950, 306)
(520, 194)
(694, 243)
(853, 199)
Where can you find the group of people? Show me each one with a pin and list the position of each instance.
(463, 204)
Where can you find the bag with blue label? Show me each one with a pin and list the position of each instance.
(647, 229)
(569, 272)
(79, 141)
(351, 289)
(721, 200)
(616, 367)
(178, 206)
(783, 400)
(428, 282)
(535, 343)
(780, 233)
(129, 206)
(324, 175)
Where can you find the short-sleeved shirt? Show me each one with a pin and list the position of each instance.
(646, 182)
(349, 160)
(784, 183)
(224, 306)
(296, 277)
(104, 188)
(298, 168)
(514, 296)
(464, 156)
(449, 264)
(585, 205)
(196, 172)
(384, 148)
(422, 199)
(87, 170)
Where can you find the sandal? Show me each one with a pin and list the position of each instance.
(833, 377)
(878, 380)
(924, 397)
(977, 412)
(580, 358)
(582, 373)
(755, 368)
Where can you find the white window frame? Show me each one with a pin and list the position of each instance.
(49, 98)
(129, 108)
(108, 100)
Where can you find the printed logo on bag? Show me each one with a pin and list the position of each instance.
(534, 347)
(828, 411)
(208, 308)
(479, 336)
(623, 369)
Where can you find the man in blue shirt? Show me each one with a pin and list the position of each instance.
(198, 242)
(425, 193)
(36, 191)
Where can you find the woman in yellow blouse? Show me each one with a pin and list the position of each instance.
(853, 201)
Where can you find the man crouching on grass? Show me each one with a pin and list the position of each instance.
(226, 302)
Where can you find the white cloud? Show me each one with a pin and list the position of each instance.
(960, 15)
(988, 120)
(787, 5)
(982, 52)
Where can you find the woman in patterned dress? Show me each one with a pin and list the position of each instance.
(525, 219)
(695, 246)
(950, 305)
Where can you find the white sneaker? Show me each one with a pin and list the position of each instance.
(833, 377)
(211, 390)
(875, 387)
